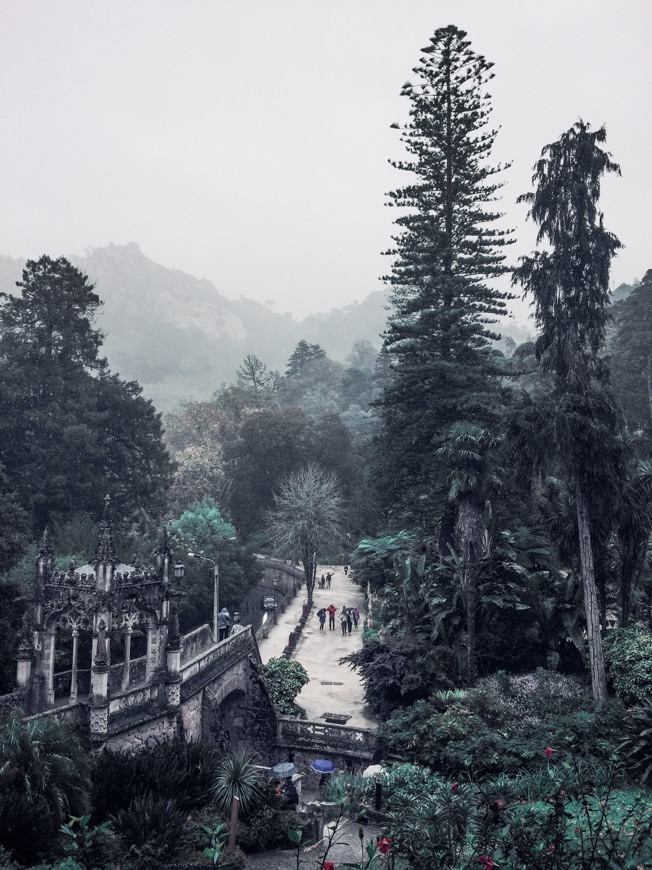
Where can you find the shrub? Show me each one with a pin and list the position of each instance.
(176, 770)
(152, 830)
(637, 745)
(285, 679)
(267, 829)
(628, 655)
(44, 777)
(464, 736)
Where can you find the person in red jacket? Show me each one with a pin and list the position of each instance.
(331, 616)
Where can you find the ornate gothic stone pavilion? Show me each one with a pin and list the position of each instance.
(100, 601)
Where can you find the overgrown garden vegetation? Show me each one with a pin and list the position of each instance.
(501, 507)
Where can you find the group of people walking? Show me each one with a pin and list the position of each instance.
(349, 618)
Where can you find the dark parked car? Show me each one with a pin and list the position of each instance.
(268, 602)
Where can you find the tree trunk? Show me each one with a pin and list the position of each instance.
(596, 658)
(470, 530)
(308, 562)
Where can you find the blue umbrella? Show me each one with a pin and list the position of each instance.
(322, 765)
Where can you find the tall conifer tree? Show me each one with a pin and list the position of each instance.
(448, 246)
(569, 283)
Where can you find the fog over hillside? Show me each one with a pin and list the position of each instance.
(180, 337)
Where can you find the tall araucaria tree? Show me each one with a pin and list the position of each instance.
(448, 248)
(569, 283)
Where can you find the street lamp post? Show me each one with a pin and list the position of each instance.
(216, 591)
(274, 582)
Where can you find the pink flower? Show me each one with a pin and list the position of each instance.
(487, 862)
(328, 865)
(384, 845)
(548, 752)
(454, 786)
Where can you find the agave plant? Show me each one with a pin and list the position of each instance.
(636, 748)
(237, 776)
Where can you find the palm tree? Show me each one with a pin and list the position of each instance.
(43, 766)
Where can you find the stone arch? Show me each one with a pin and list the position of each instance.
(224, 713)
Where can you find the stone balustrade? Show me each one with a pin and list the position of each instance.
(196, 641)
(326, 737)
(210, 663)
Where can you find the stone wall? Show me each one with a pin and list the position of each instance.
(148, 734)
(191, 717)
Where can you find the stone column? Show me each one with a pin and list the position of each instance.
(125, 670)
(50, 645)
(173, 664)
(73, 674)
(99, 701)
(24, 658)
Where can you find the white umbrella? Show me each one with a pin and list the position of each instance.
(374, 770)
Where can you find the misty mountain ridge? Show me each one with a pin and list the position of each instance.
(180, 337)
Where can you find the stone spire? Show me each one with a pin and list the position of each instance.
(105, 550)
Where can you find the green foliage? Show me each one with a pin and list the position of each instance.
(44, 778)
(218, 835)
(628, 654)
(285, 678)
(179, 770)
(90, 846)
(76, 431)
(446, 249)
(479, 731)
(396, 672)
(637, 745)
(236, 775)
(266, 828)
(307, 519)
(202, 529)
(152, 830)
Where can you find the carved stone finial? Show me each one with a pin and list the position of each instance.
(105, 550)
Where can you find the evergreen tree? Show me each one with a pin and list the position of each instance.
(303, 354)
(70, 431)
(439, 335)
(570, 285)
(631, 355)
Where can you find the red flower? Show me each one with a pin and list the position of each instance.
(548, 752)
(384, 845)
(454, 786)
(487, 862)
(328, 865)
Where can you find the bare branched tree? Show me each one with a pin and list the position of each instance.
(307, 518)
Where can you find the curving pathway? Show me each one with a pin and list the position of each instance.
(333, 688)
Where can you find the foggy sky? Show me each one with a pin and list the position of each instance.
(247, 142)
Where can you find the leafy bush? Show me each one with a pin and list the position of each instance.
(637, 745)
(267, 828)
(535, 697)
(152, 830)
(90, 846)
(44, 777)
(465, 736)
(628, 655)
(396, 672)
(439, 824)
(176, 770)
(285, 678)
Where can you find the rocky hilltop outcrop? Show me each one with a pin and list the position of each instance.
(180, 337)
